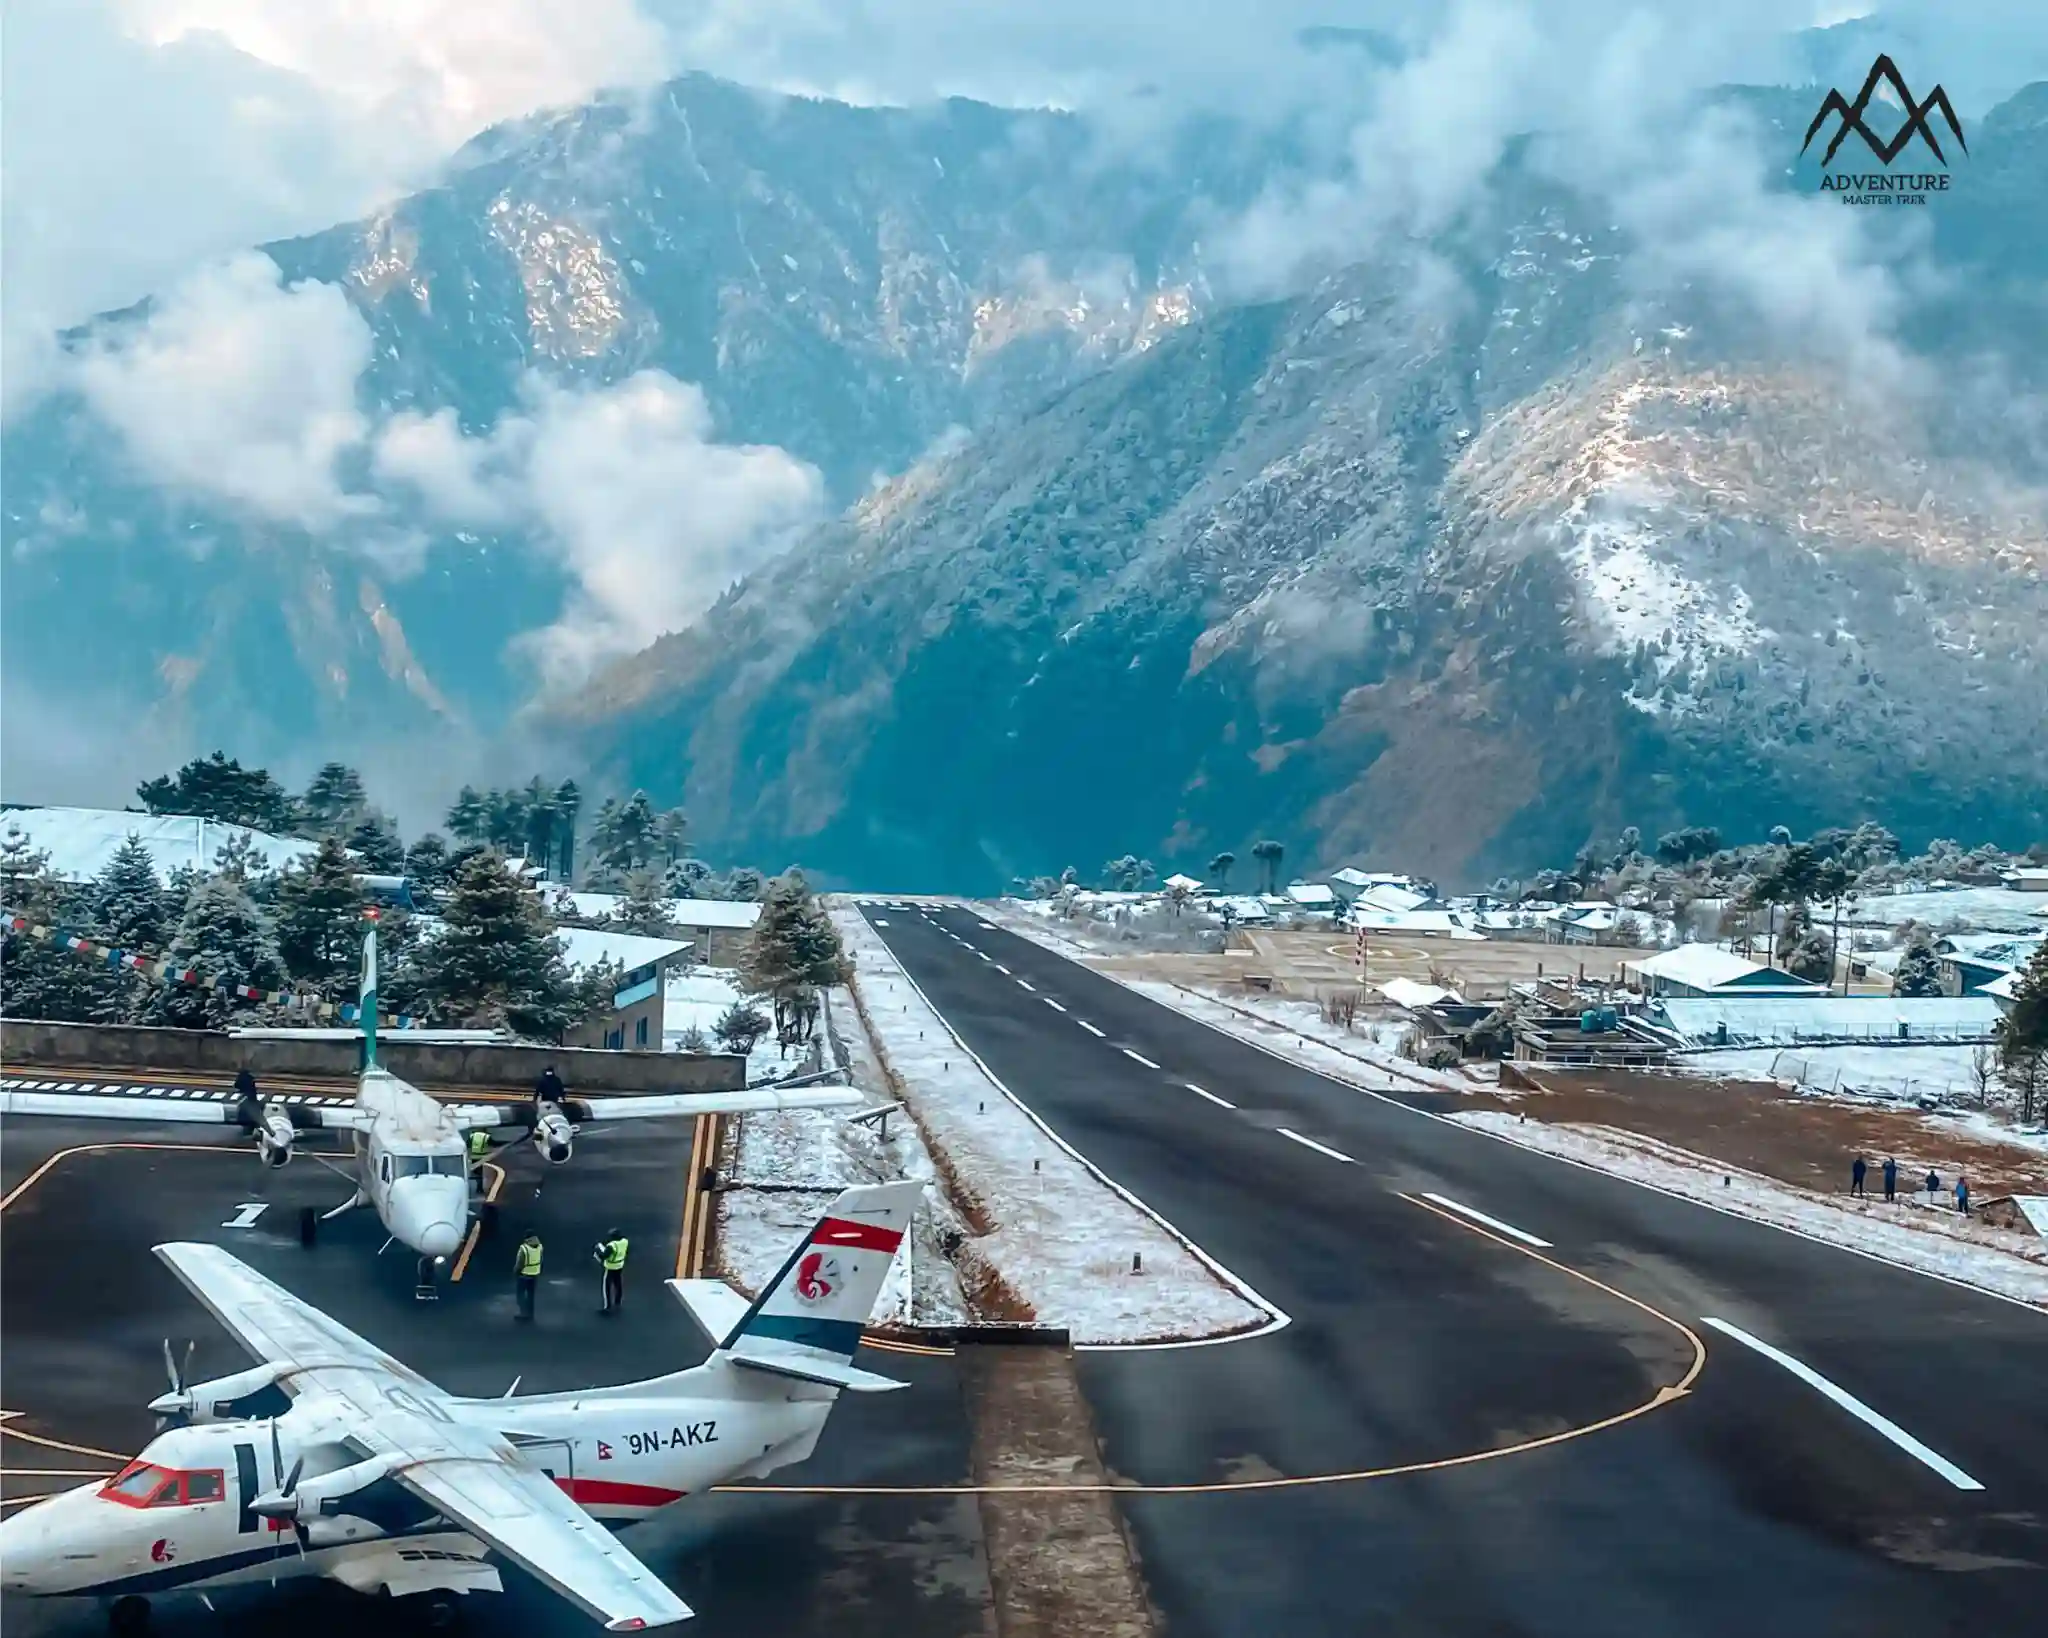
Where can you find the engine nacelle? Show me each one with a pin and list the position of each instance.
(553, 1136)
(235, 1398)
(305, 1499)
(274, 1136)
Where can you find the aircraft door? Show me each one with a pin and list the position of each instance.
(554, 1457)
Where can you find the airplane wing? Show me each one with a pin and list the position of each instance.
(473, 1476)
(759, 1100)
(157, 1111)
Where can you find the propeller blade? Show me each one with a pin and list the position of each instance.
(171, 1368)
(276, 1453)
(291, 1482)
(185, 1369)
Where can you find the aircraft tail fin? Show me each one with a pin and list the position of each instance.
(366, 999)
(807, 1321)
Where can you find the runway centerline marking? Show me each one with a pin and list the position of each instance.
(1050, 1002)
(1850, 1403)
(1090, 1028)
(1204, 1092)
(1025, 983)
(1310, 1143)
(1479, 1216)
(1005, 971)
(1139, 1058)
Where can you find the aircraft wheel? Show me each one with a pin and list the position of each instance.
(309, 1225)
(442, 1615)
(129, 1616)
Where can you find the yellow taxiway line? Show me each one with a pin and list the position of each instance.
(490, 1199)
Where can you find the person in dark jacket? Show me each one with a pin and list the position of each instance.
(549, 1088)
(248, 1101)
(1933, 1184)
(1857, 1173)
(1891, 1178)
(1963, 1195)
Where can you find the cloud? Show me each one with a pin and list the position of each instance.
(141, 138)
(625, 487)
(239, 388)
(654, 519)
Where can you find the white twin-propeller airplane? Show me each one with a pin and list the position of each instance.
(376, 1478)
(411, 1153)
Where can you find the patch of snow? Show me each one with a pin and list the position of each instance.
(1886, 1071)
(1057, 1236)
(1929, 1240)
(1995, 909)
(1636, 597)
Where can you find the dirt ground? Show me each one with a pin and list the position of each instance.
(1805, 1141)
(1301, 963)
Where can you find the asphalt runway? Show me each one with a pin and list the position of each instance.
(1753, 1504)
(83, 1306)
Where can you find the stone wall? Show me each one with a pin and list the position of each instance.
(35, 1044)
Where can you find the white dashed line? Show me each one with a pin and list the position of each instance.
(881, 921)
(1478, 1216)
(1320, 1148)
(1139, 1057)
(1050, 1002)
(1005, 971)
(1090, 1028)
(1854, 1406)
(1204, 1092)
(1025, 984)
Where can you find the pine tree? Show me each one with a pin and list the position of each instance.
(334, 798)
(374, 840)
(466, 816)
(672, 835)
(740, 1027)
(224, 936)
(746, 885)
(1219, 867)
(541, 819)
(645, 907)
(685, 879)
(426, 862)
(319, 911)
(793, 950)
(568, 803)
(39, 979)
(496, 959)
(1919, 970)
(128, 901)
(219, 787)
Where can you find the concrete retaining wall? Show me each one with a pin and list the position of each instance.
(36, 1044)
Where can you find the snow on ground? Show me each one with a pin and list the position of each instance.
(1928, 1240)
(696, 998)
(1996, 909)
(1893, 1072)
(1931, 1240)
(1055, 1235)
(782, 1171)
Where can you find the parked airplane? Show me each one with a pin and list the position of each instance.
(377, 1479)
(411, 1158)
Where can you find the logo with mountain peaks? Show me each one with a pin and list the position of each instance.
(1885, 187)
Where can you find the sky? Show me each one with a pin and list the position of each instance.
(146, 145)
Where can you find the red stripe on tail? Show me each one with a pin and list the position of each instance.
(843, 1231)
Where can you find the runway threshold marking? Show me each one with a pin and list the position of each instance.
(1310, 1143)
(1479, 1216)
(1204, 1092)
(1850, 1403)
(1090, 1028)
(1140, 1058)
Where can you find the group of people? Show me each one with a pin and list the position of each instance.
(1890, 1171)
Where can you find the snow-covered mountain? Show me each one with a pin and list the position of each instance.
(1504, 534)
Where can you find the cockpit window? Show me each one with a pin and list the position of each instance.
(429, 1165)
(144, 1484)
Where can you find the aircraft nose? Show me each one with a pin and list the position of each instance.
(429, 1214)
(28, 1549)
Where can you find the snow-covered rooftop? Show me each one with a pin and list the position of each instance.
(1390, 898)
(683, 912)
(1708, 967)
(1311, 893)
(1425, 923)
(2000, 988)
(585, 947)
(1187, 884)
(1831, 1017)
(80, 841)
(1406, 992)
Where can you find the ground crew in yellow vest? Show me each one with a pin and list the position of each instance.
(610, 1255)
(479, 1152)
(526, 1271)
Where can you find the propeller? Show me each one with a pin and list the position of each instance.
(177, 1372)
(288, 1484)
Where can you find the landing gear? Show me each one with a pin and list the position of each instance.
(128, 1617)
(426, 1280)
(440, 1613)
